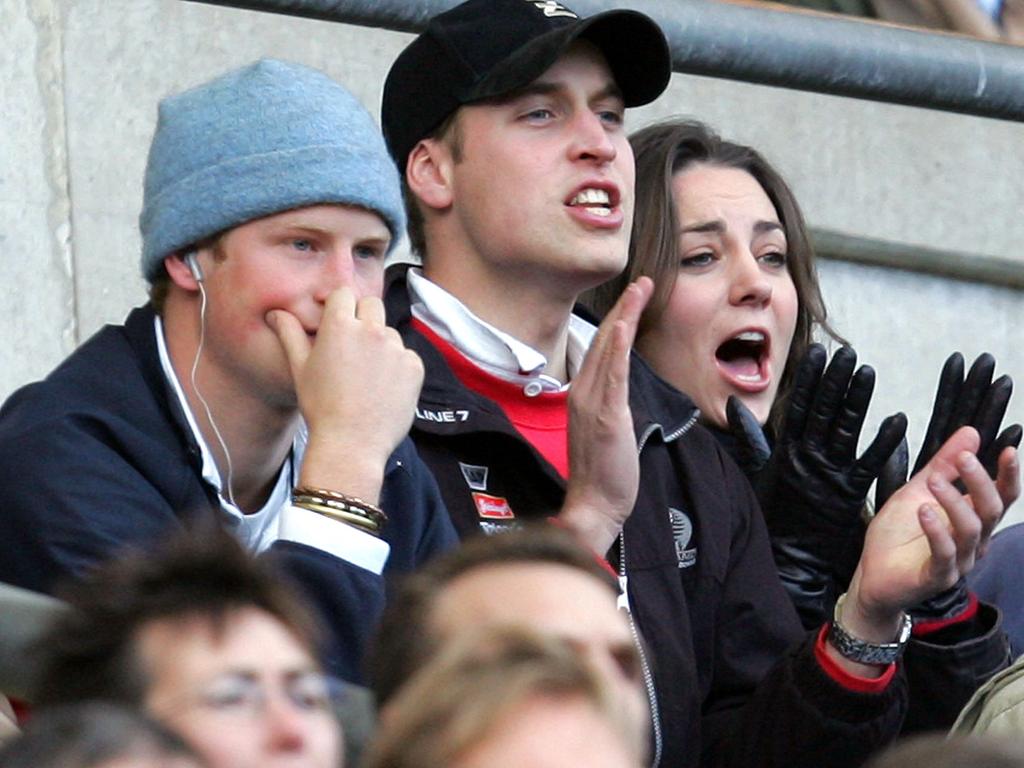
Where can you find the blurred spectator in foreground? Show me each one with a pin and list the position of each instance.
(997, 20)
(997, 707)
(97, 736)
(507, 697)
(8, 722)
(937, 751)
(24, 616)
(210, 642)
(537, 578)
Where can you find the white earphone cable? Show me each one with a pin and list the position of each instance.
(206, 406)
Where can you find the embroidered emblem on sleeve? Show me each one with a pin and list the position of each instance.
(475, 476)
(492, 507)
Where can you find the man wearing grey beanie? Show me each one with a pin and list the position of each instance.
(260, 387)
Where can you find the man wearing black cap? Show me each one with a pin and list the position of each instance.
(507, 119)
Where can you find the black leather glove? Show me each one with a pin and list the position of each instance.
(812, 486)
(977, 401)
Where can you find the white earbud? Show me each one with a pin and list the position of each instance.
(193, 266)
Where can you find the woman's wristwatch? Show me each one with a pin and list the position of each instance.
(855, 649)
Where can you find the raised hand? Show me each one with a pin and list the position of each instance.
(604, 469)
(357, 387)
(813, 486)
(976, 401)
(925, 538)
(929, 533)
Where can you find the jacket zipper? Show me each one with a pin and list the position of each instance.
(652, 694)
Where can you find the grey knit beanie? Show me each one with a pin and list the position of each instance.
(259, 140)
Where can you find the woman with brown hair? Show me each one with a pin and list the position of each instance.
(732, 320)
(735, 307)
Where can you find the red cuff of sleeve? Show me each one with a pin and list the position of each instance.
(846, 679)
(927, 627)
(600, 560)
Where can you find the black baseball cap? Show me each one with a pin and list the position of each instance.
(482, 49)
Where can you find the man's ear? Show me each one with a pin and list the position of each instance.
(428, 173)
(180, 272)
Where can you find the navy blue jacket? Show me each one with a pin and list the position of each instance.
(99, 456)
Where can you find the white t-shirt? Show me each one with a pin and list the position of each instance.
(278, 519)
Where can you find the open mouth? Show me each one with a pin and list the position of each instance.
(597, 201)
(744, 358)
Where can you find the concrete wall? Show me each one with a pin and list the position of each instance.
(80, 80)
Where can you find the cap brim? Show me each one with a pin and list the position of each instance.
(633, 45)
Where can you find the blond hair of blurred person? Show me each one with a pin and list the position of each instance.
(538, 578)
(507, 697)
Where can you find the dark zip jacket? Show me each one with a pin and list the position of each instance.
(735, 676)
(99, 456)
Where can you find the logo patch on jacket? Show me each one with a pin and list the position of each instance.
(476, 476)
(682, 532)
(492, 507)
(552, 9)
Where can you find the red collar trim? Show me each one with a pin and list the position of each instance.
(547, 411)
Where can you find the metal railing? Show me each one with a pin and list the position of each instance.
(798, 50)
(793, 49)
(955, 265)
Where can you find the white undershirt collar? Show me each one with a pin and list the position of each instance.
(490, 348)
